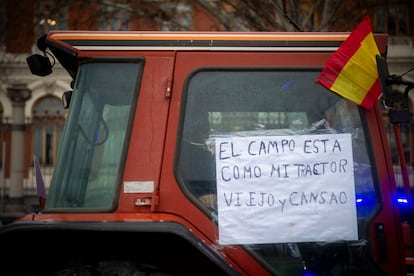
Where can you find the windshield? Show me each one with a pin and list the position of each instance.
(91, 155)
(282, 166)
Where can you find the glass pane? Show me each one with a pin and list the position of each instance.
(49, 145)
(90, 158)
(38, 144)
(379, 20)
(48, 117)
(2, 20)
(392, 20)
(258, 113)
(403, 20)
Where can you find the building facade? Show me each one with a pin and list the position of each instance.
(32, 115)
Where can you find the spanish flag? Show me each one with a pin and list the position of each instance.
(352, 70)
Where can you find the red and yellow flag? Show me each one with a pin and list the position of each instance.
(352, 70)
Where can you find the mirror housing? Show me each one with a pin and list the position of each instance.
(39, 65)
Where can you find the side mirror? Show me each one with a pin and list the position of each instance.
(66, 97)
(39, 65)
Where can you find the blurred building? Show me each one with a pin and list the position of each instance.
(32, 115)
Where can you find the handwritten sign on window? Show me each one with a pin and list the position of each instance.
(276, 189)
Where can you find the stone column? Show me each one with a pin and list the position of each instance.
(18, 94)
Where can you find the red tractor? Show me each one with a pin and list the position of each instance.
(188, 153)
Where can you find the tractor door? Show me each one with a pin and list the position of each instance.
(290, 177)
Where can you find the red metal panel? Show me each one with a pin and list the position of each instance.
(147, 139)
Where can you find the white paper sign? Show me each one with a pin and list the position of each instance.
(276, 189)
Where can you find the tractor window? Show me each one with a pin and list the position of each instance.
(271, 196)
(90, 159)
